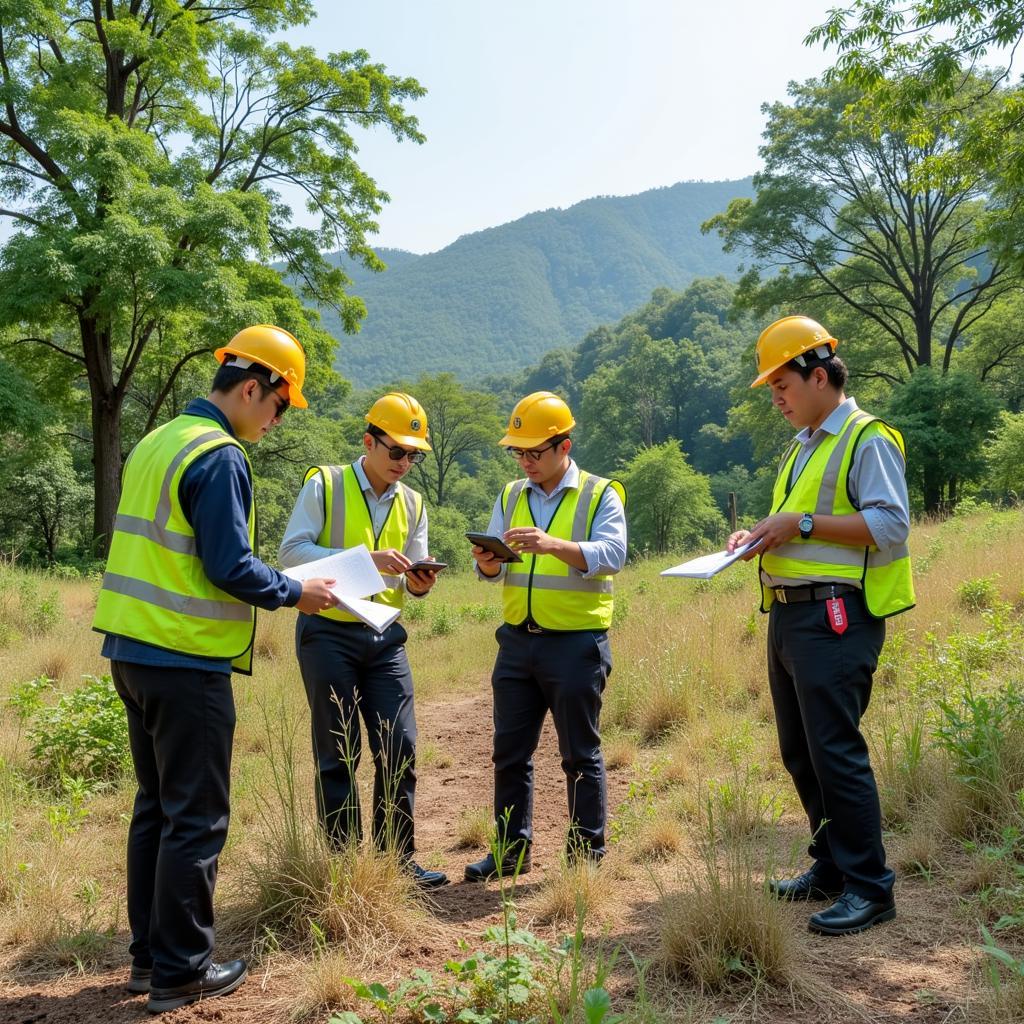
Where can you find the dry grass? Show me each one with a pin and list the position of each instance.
(686, 708)
(574, 891)
(474, 828)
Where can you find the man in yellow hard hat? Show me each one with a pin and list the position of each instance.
(349, 669)
(569, 527)
(177, 606)
(834, 565)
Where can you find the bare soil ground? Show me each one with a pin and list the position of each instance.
(920, 968)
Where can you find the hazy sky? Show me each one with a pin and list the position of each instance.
(540, 103)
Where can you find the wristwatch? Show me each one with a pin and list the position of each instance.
(806, 524)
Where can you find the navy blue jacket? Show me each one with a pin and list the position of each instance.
(216, 494)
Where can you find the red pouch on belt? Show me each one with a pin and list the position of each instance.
(836, 614)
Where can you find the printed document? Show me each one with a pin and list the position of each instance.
(706, 566)
(355, 577)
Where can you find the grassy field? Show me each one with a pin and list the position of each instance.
(674, 925)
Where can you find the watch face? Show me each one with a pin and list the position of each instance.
(806, 525)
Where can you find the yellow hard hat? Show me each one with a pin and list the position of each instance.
(273, 348)
(400, 416)
(535, 419)
(788, 338)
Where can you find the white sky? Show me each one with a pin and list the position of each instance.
(540, 103)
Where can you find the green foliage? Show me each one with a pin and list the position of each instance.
(670, 505)
(844, 217)
(500, 299)
(144, 162)
(977, 595)
(944, 420)
(1004, 455)
(26, 604)
(83, 736)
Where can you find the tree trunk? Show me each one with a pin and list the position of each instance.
(106, 460)
(932, 488)
(107, 399)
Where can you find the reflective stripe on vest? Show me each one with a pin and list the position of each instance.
(347, 523)
(822, 485)
(155, 589)
(545, 589)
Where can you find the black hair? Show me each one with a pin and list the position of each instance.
(229, 377)
(836, 369)
(375, 431)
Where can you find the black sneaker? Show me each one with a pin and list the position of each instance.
(219, 980)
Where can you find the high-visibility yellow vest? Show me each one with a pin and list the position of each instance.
(155, 588)
(545, 589)
(347, 522)
(821, 488)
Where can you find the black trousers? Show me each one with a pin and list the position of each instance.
(821, 684)
(564, 673)
(181, 723)
(350, 671)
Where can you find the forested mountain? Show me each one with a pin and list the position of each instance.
(500, 299)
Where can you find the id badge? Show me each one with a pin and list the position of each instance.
(836, 614)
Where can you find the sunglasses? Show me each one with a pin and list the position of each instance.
(396, 454)
(533, 454)
(281, 403)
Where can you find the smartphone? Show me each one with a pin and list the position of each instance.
(427, 564)
(495, 545)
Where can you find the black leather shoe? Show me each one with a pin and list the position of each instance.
(219, 980)
(425, 879)
(138, 980)
(487, 868)
(808, 886)
(851, 913)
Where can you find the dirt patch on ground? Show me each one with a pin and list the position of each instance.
(916, 969)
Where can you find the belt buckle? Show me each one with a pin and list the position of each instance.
(532, 628)
(780, 596)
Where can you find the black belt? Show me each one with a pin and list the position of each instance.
(534, 630)
(818, 592)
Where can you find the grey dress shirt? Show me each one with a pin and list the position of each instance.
(878, 484)
(605, 552)
(301, 536)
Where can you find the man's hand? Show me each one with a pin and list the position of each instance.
(532, 540)
(487, 561)
(773, 531)
(737, 540)
(423, 578)
(390, 561)
(316, 596)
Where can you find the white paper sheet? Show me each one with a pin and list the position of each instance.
(706, 566)
(353, 571)
(376, 616)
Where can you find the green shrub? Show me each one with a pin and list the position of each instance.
(978, 595)
(414, 610)
(83, 736)
(445, 620)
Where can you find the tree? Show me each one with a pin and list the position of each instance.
(1004, 455)
(670, 504)
(462, 423)
(944, 420)
(144, 148)
(841, 217)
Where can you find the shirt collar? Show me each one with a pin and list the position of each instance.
(205, 408)
(570, 478)
(832, 423)
(364, 482)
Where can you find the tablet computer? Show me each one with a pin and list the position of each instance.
(495, 545)
(428, 564)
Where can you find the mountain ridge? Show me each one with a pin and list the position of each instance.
(498, 299)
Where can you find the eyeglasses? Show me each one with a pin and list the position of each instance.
(281, 403)
(396, 454)
(533, 454)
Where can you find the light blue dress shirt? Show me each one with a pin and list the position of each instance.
(301, 536)
(878, 483)
(605, 552)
